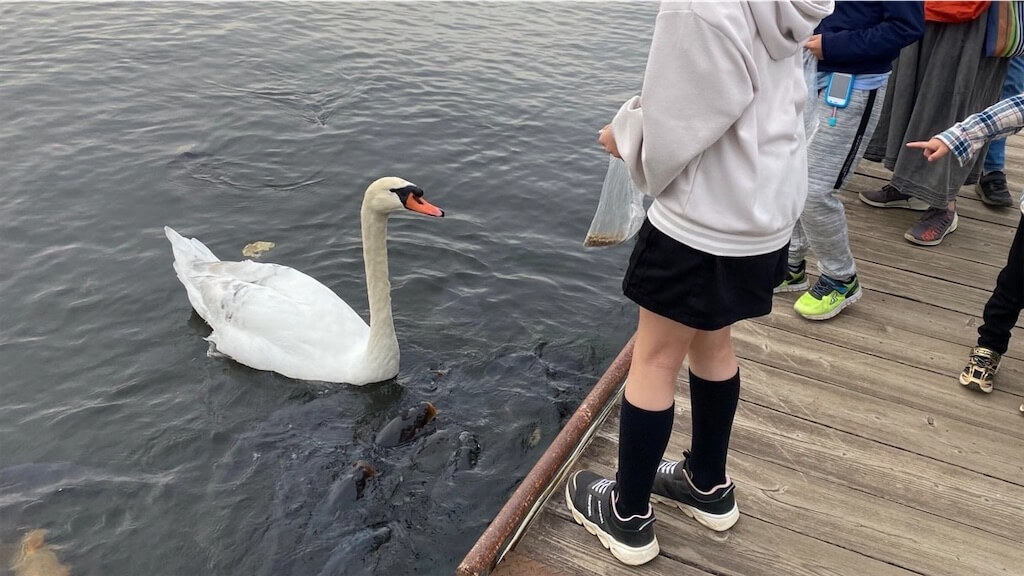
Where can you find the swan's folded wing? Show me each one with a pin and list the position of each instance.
(295, 284)
(265, 329)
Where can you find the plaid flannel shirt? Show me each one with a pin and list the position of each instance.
(1003, 118)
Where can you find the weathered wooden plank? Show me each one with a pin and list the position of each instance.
(887, 317)
(859, 442)
(974, 240)
(556, 540)
(517, 564)
(875, 376)
(860, 522)
(753, 547)
(909, 258)
(911, 286)
(931, 291)
(868, 327)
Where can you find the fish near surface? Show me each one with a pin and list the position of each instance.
(344, 491)
(404, 427)
(351, 556)
(35, 558)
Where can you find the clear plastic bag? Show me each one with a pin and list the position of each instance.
(811, 120)
(620, 211)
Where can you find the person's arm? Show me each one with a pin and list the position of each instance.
(696, 86)
(901, 25)
(965, 138)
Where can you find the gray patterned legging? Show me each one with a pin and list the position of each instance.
(822, 224)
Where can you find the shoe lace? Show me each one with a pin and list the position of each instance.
(890, 192)
(933, 223)
(983, 358)
(825, 286)
(983, 362)
(936, 217)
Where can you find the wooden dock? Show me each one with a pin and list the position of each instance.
(855, 451)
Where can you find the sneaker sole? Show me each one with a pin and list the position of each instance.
(985, 200)
(717, 522)
(626, 554)
(909, 204)
(792, 288)
(952, 227)
(835, 311)
(974, 384)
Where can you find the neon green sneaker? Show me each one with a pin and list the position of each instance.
(827, 298)
(796, 280)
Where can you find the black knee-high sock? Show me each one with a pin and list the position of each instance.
(643, 436)
(712, 405)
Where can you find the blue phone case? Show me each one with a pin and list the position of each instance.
(846, 99)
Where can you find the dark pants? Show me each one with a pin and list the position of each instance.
(1007, 299)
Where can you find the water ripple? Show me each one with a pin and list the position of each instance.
(141, 451)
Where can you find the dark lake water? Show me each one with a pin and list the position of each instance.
(239, 122)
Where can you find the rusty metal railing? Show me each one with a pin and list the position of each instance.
(547, 474)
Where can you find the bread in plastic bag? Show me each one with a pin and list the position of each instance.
(620, 211)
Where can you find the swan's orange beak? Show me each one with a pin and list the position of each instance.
(418, 204)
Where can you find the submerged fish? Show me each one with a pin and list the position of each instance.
(354, 555)
(466, 455)
(404, 427)
(346, 489)
(36, 559)
(341, 495)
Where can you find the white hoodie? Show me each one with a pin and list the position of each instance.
(717, 134)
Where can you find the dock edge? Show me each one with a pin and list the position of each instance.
(512, 521)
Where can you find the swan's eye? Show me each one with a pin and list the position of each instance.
(405, 191)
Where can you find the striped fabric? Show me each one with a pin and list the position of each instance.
(1005, 35)
(1003, 118)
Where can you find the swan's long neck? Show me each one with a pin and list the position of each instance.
(383, 342)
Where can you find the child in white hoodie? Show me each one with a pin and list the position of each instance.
(717, 138)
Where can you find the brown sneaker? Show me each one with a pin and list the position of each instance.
(982, 365)
(936, 224)
(890, 197)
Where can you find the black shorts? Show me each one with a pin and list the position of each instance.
(698, 289)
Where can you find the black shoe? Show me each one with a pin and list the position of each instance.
(715, 509)
(590, 499)
(993, 191)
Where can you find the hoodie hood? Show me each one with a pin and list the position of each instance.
(784, 26)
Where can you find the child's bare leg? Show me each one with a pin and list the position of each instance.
(647, 411)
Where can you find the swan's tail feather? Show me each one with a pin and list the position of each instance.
(188, 250)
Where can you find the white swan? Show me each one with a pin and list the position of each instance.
(271, 317)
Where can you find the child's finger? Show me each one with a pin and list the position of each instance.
(917, 145)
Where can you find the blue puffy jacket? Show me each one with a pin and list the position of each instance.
(865, 37)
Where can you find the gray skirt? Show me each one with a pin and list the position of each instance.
(936, 82)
